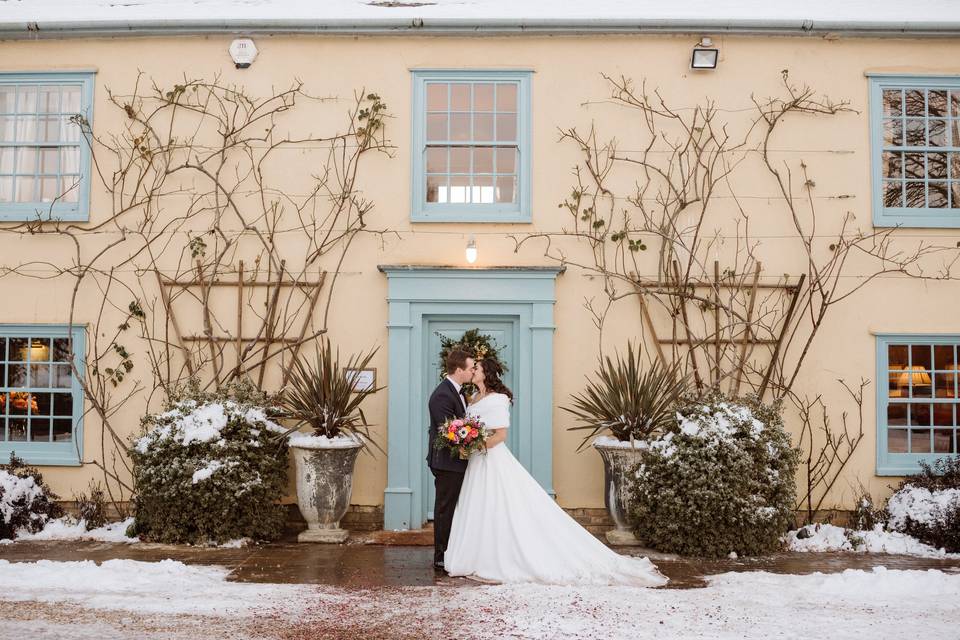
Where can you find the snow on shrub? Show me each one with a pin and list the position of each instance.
(26, 503)
(927, 506)
(210, 468)
(721, 481)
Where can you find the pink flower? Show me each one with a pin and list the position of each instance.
(457, 423)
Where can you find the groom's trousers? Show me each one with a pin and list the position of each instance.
(447, 484)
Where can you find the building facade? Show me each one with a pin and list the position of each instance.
(475, 157)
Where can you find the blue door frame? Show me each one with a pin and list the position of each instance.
(418, 295)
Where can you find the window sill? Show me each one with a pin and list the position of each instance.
(949, 220)
(908, 464)
(491, 218)
(41, 454)
(28, 213)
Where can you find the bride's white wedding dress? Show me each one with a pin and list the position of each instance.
(506, 528)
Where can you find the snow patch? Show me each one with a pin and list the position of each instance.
(310, 441)
(168, 587)
(743, 12)
(828, 537)
(68, 528)
(920, 505)
(189, 422)
(205, 472)
(239, 543)
(15, 490)
(754, 605)
(614, 443)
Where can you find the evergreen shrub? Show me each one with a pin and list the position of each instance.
(927, 505)
(26, 502)
(721, 480)
(210, 468)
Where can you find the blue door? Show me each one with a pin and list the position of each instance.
(516, 303)
(503, 331)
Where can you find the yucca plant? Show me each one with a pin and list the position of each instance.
(320, 394)
(629, 401)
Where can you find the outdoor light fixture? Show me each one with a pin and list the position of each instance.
(472, 250)
(243, 51)
(704, 55)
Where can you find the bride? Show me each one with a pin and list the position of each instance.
(507, 529)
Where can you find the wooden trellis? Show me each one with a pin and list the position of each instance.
(744, 343)
(268, 335)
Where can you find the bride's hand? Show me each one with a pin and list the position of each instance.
(496, 437)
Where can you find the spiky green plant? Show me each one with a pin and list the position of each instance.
(629, 401)
(320, 394)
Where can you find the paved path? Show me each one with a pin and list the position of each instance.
(370, 566)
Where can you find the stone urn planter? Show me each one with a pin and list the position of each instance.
(619, 458)
(324, 483)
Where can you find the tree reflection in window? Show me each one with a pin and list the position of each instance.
(920, 158)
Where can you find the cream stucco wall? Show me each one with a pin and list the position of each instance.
(566, 75)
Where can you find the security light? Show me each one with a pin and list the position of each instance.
(704, 55)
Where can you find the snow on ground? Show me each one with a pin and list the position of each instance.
(168, 587)
(828, 537)
(68, 528)
(879, 604)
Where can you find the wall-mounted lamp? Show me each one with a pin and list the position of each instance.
(704, 55)
(472, 250)
(244, 52)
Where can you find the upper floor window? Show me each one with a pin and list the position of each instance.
(917, 401)
(471, 146)
(915, 125)
(41, 400)
(44, 162)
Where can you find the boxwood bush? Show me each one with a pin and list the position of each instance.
(26, 503)
(210, 468)
(720, 481)
(927, 505)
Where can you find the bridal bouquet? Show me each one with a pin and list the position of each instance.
(462, 436)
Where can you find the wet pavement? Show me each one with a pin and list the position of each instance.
(375, 565)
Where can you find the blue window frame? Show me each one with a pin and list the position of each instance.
(41, 401)
(471, 146)
(917, 400)
(44, 161)
(915, 150)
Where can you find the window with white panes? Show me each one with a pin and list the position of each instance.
(43, 158)
(918, 400)
(471, 155)
(40, 397)
(916, 151)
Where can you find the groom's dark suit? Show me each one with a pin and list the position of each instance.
(447, 469)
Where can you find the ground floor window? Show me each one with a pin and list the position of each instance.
(41, 402)
(917, 397)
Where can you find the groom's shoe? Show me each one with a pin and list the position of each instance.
(438, 566)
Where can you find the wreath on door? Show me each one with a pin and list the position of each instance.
(479, 345)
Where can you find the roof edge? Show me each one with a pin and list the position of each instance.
(470, 26)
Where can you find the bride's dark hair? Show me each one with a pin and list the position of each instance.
(492, 370)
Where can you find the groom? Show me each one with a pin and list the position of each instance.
(446, 402)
